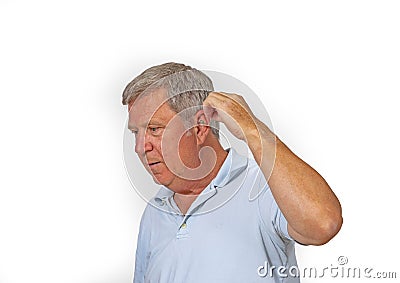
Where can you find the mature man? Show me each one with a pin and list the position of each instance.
(205, 225)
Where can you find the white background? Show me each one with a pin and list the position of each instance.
(327, 72)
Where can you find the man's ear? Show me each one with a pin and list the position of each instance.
(201, 127)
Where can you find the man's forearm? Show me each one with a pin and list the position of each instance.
(309, 205)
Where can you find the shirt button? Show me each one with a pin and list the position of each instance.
(183, 226)
(160, 202)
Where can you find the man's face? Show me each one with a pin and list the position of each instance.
(163, 145)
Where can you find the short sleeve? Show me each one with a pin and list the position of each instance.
(271, 216)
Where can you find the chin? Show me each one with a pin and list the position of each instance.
(160, 181)
(156, 180)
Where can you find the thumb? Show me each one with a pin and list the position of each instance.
(210, 112)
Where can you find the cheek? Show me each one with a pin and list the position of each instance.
(172, 141)
(177, 152)
(186, 143)
(188, 148)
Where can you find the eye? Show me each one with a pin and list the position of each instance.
(155, 130)
(134, 132)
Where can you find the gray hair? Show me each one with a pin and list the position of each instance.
(186, 87)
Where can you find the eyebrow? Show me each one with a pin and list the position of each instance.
(151, 122)
(156, 121)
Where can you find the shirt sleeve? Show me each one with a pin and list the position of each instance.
(271, 216)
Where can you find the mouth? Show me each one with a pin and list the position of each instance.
(153, 163)
(153, 167)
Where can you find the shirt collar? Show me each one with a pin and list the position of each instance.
(233, 165)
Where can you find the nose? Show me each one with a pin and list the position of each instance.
(142, 144)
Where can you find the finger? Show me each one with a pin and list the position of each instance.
(211, 113)
(215, 99)
(208, 112)
(212, 105)
(219, 96)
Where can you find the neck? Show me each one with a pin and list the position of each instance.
(184, 198)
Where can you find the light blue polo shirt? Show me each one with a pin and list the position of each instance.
(233, 232)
